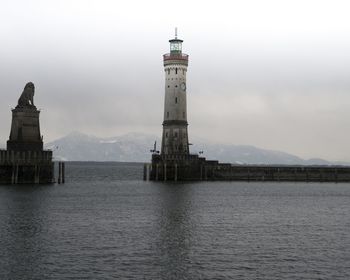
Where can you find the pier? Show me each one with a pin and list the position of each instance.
(195, 168)
(25, 167)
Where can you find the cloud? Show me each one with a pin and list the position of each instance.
(273, 76)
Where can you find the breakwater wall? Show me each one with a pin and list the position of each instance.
(26, 167)
(195, 168)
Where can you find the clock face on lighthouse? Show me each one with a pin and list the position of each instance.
(183, 86)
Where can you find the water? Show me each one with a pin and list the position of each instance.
(106, 223)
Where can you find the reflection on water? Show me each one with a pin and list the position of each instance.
(105, 223)
(175, 230)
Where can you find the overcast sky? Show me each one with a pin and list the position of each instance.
(273, 74)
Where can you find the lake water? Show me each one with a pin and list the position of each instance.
(106, 223)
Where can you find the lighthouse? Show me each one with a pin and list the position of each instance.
(175, 136)
(175, 161)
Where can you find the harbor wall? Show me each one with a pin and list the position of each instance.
(26, 167)
(195, 168)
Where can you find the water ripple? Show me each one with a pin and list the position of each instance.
(105, 223)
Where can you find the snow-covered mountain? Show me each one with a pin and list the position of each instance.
(76, 146)
(135, 147)
(244, 154)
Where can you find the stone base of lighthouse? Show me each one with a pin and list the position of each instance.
(175, 168)
(175, 138)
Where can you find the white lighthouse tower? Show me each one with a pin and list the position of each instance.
(175, 136)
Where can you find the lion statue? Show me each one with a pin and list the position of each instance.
(27, 96)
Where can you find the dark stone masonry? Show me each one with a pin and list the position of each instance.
(25, 161)
(195, 168)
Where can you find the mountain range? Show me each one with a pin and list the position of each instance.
(135, 147)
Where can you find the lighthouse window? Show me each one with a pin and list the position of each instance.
(166, 134)
(167, 114)
(175, 70)
(175, 99)
(168, 71)
(168, 86)
(176, 86)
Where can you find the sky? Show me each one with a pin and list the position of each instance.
(272, 73)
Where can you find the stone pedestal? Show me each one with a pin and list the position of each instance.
(25, 130)
(25, 161)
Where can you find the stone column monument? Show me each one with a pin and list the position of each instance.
(25, 161)
(25, 129)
